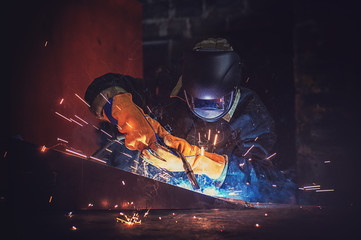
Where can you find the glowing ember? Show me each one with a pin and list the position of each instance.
(50, 199)
(70, 214)
(248, 151)
(257, 225)
(73, 228)
(266, 214)
(76, 153)
(43, 149)
(270, 156)
(60, 115)
(325, 190)
(215, 139)
(62, 140)
(209, 134)
(90, 205)
(61, 101)
(76, 122)
(123, 183)
(97, 159)
(81, 119)
(82, 100)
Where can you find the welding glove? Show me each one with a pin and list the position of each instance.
(211, 164)
(132, 121)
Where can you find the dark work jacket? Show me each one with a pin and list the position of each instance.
(247, 139)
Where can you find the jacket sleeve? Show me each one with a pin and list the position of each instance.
(254, 128)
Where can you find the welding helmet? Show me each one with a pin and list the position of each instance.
(210, 81)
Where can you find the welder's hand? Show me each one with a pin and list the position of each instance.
(210, 164)
(133, 122)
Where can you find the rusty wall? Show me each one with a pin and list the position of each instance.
(57, 49)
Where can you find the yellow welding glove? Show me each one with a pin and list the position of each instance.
(132, 121)
(210, 164)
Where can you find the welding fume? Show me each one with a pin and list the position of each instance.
(210, 134)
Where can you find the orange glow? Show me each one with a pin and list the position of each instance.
(61, 101)
(215, 139)
(43, 149)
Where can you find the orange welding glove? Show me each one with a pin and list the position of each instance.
(133, 122)
(210, 164)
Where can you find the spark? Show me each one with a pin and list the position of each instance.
(248, 151)
(95, 127)
(326, 162)
(43, 149)
(312, 189)
(256, 139)
(61, 101)
(62, 140)
(106, 99)
(202, 151)
(123, 183)
(209, 134)
(215, 139)
(73, 228)
(160, 218)
(46, 43)
(118, 108)
(312, 186)
(97, 159)
(150, 111)
(242, 165)
(325, 190)
(5, 154)
(270, 156)
(194, 217)
(70, 214)
(199, 137)
(126, 154)
(50, 199)
(62, 116)
(266, 214)
(116, 206)
(128, 124)
(90, 205)
(76, 122)
(257, 225)
(106, 133)
(274, 185)
(82, 99)
(76, 153)
(81, 119)
(108, 150)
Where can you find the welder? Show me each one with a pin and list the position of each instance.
(223, 130)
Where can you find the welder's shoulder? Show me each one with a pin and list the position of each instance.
(251, 107)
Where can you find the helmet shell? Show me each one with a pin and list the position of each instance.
(211, 74)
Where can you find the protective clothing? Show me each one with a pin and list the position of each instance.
(211, 164)
(143, 133)
(130, 120)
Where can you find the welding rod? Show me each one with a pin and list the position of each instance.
(188, 169)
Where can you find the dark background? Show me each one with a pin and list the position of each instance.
(301, 57)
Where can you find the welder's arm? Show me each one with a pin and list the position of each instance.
(210, 164)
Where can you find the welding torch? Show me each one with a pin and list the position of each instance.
(187, 167)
